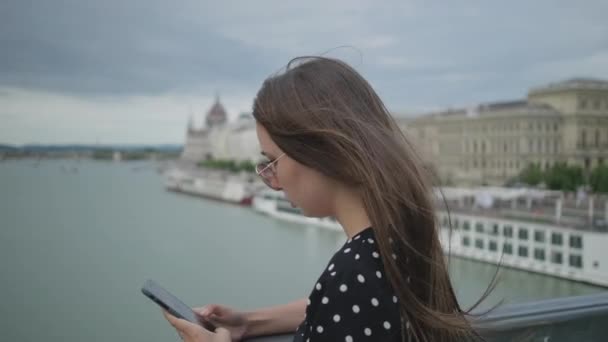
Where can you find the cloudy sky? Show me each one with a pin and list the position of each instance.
(118, 71)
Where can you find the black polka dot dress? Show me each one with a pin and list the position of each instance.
(352, 299)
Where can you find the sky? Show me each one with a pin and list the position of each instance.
(134, 72)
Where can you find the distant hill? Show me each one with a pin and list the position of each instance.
(4, 147)
(168, 148)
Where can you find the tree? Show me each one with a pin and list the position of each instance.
(599, 179)
(531, 175)
(564, 177)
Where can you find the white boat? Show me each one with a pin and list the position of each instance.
(274, 203)
(216, 185)
(539, 231)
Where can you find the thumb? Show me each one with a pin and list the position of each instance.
(207, 310)
(222, 334)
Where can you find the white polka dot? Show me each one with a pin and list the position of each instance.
(390, 240)
(347, 250)
(343, 288)
(408, 279)
(308, 301)
(376, 255)
(348, 338)
(360, 278)
(407, 324)
(394, 256)
(332, 273)
(368, 332)
(319, 329)
(357, 237)
(331, 267)
(318, 286)
(356, 256)
(394, 299)
(308, 340)
(356, 308)
(374, 302)
(370, 240)
(336, 318)
(387, 325)
(379, 274)
(325, 300)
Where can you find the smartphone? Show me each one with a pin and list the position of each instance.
(170, 303)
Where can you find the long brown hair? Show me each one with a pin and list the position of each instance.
(325, 115)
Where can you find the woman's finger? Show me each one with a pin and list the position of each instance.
(180, 324)
(205, 310)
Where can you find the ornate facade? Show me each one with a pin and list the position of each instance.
(492, 143)
(220, 139)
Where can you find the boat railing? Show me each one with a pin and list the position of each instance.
(578, 318)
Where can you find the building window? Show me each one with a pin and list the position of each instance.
(522, 251)
(455, 225)
(584, 138)
(556, 239)
(539, 236)
(576, 241)
(507, 248)
(539, 254)
(555, 127)
(596, 104)
(522, 234)
(495, 229)
(479, 227)
(493, 246)
(582, 104)
(556, 257)
(597, 138)
(479, 243)
(466, 225)
(507, 231)
(576, 261)
(466, 241)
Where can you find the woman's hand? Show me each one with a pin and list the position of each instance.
(190, 332)
(224, 317)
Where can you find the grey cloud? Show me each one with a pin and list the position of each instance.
(112, 48)
(415, 54)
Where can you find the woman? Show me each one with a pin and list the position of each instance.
(334, 149)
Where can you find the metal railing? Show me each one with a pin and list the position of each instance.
(579, 318)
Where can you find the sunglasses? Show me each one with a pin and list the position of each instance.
(268, 171)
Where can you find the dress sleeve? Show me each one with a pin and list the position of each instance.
(354, 307)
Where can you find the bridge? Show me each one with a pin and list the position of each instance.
(579, 318)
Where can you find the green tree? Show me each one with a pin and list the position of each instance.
(599, 179)
(564, 177)
(531, 175)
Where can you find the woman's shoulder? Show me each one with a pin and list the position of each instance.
(358, 261)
